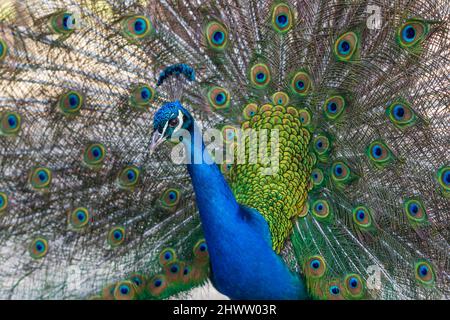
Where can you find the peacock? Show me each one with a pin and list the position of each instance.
(326, 173)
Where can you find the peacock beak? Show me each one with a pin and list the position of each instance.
(157, 139)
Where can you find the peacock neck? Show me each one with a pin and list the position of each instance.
(211, 189)
(244, 266)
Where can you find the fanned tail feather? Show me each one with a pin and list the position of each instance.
(86, 211)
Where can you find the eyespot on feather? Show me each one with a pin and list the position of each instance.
(424, 273)
(3, 202)
(218, 98)
(40, 178)
(334, 107)
(282, 18)
(171, 197)
(340, 172)
(301, 83)
(333, 290)
(79, 218)
(10, 123)
(321, 145)
(139, 281)
(136, 28)
(317, 177)
(3, 50)
(260, 75)
(70, 103)
(443, 178)
(412, 33)
(38, 248)
(142, 96)
(116, 236)
(201, 251)
(250, 110)
(415, 211)
(305, 117)
(280, 98)
(362, 217)
(129, 177)
(229, 134)
(315, 267)
(174, 271)
(167, 256)
(157, 285)
(94, 155)
(354, 286)
(401, 114)
(379, 154)
(125, 290)
(346, 46)
(63, 23)
(321, 209)
(216, 35)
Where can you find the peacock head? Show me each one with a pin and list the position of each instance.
(168, 123)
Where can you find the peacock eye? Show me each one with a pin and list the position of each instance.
(173, 122)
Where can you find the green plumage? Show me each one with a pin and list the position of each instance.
(358, 204)
(277, 190)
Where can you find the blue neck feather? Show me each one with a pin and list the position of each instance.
(244, 266)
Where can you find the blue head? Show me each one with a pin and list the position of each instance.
(169, 121)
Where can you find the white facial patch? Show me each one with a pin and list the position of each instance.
(180, 123)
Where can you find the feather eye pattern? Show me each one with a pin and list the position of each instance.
(401, 114)
(334, 107)
(301, 83)
(424, 273)
(380, 154)
(38, 248)
(280, 98)
(63, 23)
(116, 236)
(40, 178)
(136, 27)
(216, 35)
(360, 110)
(354, 286)
(79, 218)
(94, 155)
(128, 177)
(282, 18)
(125, 290)
(341, 173)
(315, 266)
(321, 145)
(346, 46)
(415, 211)
(412, 32)
(142, 96)
(171, 198)
(443, 177)
(219, 98)
(3, 50)
(10, 123)
(362, 217)
(321, 210)
(260, 75)
(3, 202)
(318, 177)
(70, 103)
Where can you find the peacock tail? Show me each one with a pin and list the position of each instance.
(357, 91)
